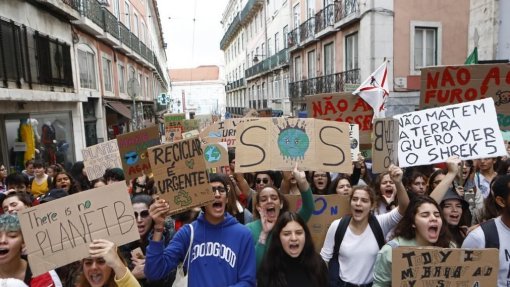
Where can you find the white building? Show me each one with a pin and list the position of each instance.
(197, 91)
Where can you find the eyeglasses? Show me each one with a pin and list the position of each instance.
(264, 180)
(220, 189)
(319, 175)
(143, 214)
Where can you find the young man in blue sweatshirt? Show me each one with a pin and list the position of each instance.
(222, 252)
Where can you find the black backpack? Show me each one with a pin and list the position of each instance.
(490, 231)
(333, 266)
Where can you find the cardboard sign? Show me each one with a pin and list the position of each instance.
(278, 143)
(456, 84)
(384, 148)
(173, 135)
(354, 139)
(204, 120)
(224, 131)
(173, 122)
(428, 266)
(180, 174)
(193, 124)
(215, 155)
(342, 107)
(59, 232)
(99, 157)
(469, 130)
(190, 134)
(327, 209)
(133, 151)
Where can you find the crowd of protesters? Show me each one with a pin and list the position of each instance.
(249, 237)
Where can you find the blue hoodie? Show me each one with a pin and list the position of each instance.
(222, 255)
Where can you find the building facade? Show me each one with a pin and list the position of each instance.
(72, 72)
(197, 91)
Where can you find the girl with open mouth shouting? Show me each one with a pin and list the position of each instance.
(422, 225)
(292, 259)
(270, 203)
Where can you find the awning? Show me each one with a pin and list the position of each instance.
(120, 108)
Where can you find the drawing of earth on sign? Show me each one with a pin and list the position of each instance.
(131, 157)
(212, 154)
(293, 142)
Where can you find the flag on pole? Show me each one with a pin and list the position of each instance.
(374, 90)
(472, 58)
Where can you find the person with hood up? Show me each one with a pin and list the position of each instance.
(222, 250)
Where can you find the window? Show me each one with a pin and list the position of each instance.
(135, 26)
(107, 74)
(329, 59)
(286, 87)
(351, 52)
(122, 78)
(311, 64)
(269, 47)
(425, 46)
(142, 32)
(276, 89)
(127, 18)
(297, 15)
(297, 69)
(116, 10)
(285, 36)
(311, 8)
(277, 42)
(87, 69)
(263, 49)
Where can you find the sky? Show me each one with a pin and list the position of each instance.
(191, 45)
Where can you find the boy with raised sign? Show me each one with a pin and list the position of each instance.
(221, 250)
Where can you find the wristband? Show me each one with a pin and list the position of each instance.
(159, 229)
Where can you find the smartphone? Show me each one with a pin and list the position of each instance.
(469, 196)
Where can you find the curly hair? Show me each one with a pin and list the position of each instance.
(273, 267)
(405, 227)
(74, 188)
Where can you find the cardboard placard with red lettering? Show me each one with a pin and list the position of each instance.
(60, 231)
(385, 144)
(180, 175)
(469, 130)
(448, 85)
(173, 122)
(223, 131)
(280, 143)
(430, 266)
(133, 151)
(342, 107)
(327, 209)
(99, 157)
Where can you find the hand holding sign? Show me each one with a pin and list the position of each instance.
(453, 164)
(158, 212)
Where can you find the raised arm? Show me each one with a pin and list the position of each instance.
(306, 194)
(438, 193)
(402, 196)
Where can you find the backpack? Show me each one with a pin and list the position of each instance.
(490, 231)
(333, 265)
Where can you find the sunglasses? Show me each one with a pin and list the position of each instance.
(143, 214)
(265, 180)
(220, 189)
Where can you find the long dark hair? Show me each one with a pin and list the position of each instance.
(333, 185)
(377, 188)
(272, 270)
(405, 227)
(432, 178)
(74, 188)
(314, 188)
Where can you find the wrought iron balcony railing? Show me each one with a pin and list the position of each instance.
(326, 84)
(111, 24)
(325, 18)
(307, 29)
(345, 8)
(279, 59)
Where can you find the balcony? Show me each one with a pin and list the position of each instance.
(250, 9)
(307, 30)
(326, 84)
(325, 20)
(231, 31)
(346, 11)
(277, 60)
(231, 86)
(235, 110)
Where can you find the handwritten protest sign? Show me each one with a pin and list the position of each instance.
(469, 130)
(428, 266)
(215, 155)
(173, 135)
(99, 157)
(342, 107)
(204, 120)
(456, 84)
(354, 139)
(327, 209)
(173, 122)
(133, 151)
(192, 124)
(190, 134)
(223, 131)
(384, 148)
(278, 143)
(180, 174)
(59, 232)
